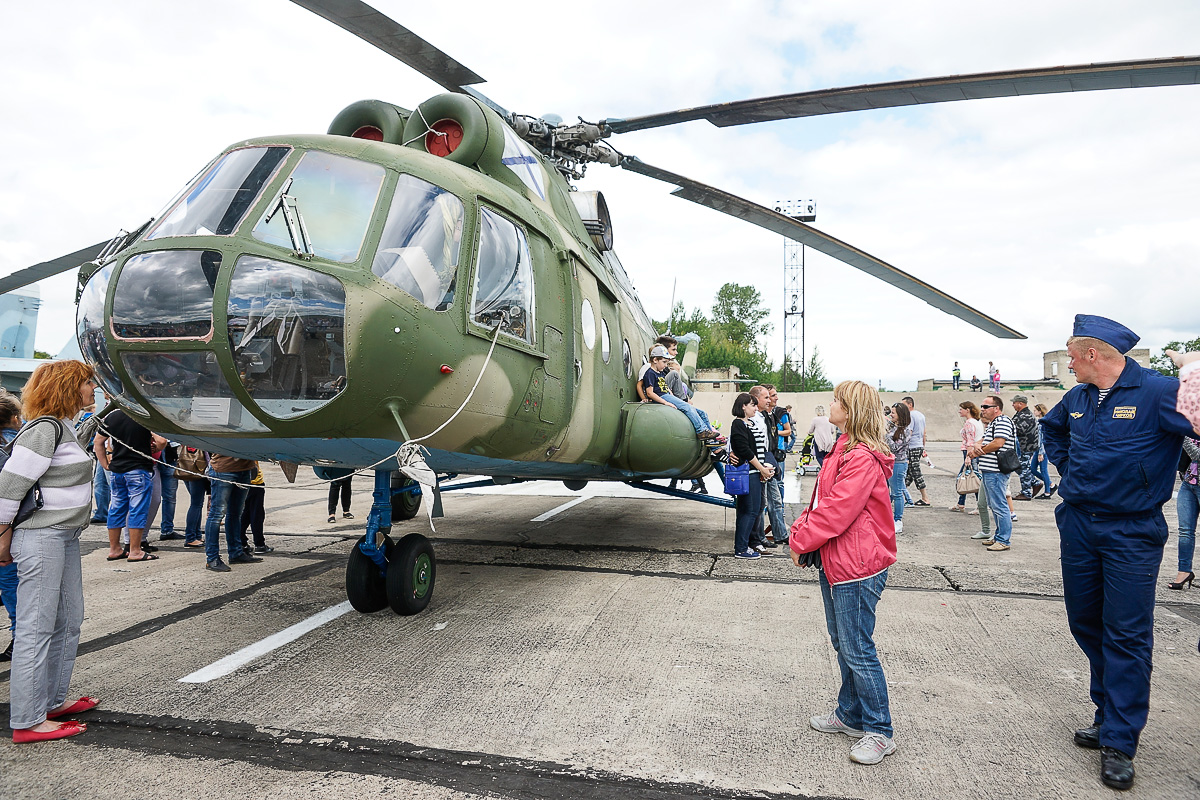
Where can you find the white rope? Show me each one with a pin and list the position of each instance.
(408, 454)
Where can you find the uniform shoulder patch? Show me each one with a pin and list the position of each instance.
(1076, 414)
(1124, 412)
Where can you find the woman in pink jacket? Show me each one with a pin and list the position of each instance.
(849, 523)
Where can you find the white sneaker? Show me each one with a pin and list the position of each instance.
(1013, 517)
(981, 535)
(899, 526)
(831, 723)
(871, 748)
(974, 512)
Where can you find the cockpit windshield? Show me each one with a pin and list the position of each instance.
(90, 331)
(418, 252)
(220, 198)
(333, 199)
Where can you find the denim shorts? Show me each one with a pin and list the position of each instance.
(131, 493)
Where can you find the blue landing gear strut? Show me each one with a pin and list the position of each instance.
(382, 572)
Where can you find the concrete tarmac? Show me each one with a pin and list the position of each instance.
(613, 649)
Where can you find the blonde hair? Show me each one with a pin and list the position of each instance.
(1103, 349)
(864, 415)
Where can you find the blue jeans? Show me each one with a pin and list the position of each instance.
(102, 493)
(226, 497)
(166, 474)
(1188, 508)
(994, 484)
(195, 513)
(1042, 468)
(896, 485)
(693, 413)
(850, 620)
(749, 507)
(132, 492)
(8, 592)
(775, 506)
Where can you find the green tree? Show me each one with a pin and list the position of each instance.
(738, 312)
(1163, 362)
(721, 353)
(814, 376)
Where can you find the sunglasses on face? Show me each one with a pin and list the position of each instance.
(985, 408)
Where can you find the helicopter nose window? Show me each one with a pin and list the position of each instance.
(418, 252)
(89, 328)
(166, 295)
(332, 199)
(503, 278)
(220, 198)
(286, 328)
(189, 389)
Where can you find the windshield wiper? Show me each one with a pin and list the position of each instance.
(297, 232)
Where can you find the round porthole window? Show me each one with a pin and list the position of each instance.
(604, 345)
(589, 325)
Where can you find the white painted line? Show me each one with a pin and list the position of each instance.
(558, 509)
(260, 648)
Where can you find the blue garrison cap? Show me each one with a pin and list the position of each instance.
(1106, 330)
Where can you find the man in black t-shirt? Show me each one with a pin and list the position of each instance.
(132, 481)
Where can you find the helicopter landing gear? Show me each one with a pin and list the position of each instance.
(411, 572)
(383, 573)
(406, 497)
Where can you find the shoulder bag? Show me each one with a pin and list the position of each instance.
(32, 501)
(190, 465)
(1008, 460)
(737, 480)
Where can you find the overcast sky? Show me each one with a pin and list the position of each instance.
(1029, 209)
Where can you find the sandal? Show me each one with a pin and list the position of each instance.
(118, 558)
(145, 557)
(68, 728)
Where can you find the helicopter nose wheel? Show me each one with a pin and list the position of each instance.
(366, 586)
(412, 568)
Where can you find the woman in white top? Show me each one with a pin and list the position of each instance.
(972, 432)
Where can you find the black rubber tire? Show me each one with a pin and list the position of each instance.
(412, 568)
(366, 589)
(405, 506)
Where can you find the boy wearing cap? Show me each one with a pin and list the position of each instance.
(655, 387)
(1115, 439)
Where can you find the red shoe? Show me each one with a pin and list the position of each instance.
(68, 728)
(78, 707)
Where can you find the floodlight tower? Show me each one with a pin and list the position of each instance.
(795, 364)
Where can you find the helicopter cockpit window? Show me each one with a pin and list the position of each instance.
(89, 328)
(286, 328)
(220, 198)
(330, 200)
(503, 278)
(418, 252)
(189, 390)
(166, 295)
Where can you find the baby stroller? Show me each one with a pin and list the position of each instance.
(807, 465)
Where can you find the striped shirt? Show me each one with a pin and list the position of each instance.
(758, 427)
(999, 428)
(65, 475)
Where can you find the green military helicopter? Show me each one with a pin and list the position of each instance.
(433, 277)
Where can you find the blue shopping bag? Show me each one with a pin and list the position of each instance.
(737, 479)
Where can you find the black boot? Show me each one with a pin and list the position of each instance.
(1116, 768)
(7, 654)
(1088, 737)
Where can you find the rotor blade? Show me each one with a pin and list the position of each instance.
(48, 269)
(394, 39)
(1178, 71)
(797, 231)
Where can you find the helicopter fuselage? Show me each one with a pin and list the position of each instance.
(319, 299)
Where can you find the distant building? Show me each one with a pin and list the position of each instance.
(725, 379)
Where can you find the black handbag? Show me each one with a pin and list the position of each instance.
(1007, 460)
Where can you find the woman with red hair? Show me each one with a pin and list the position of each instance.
(45, 546)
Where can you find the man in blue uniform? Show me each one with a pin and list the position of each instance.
(1115, 439)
